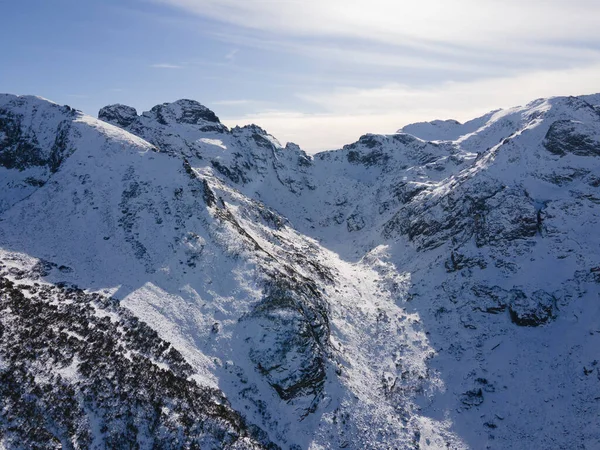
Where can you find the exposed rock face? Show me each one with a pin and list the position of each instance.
(183, 111)
(119, 115)
(35, 139)
(180, 112)
(532, 311)
(21, 147)
(426, 289)
(472, 398)
(292, 357)
(568, 136)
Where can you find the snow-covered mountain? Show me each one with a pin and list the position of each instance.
(167, 282)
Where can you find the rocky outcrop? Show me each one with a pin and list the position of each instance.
(291, 349)
(20, 147)
(183, 111)
(35, 140)
(186, 114)
(569, 136)
(119, 115)
(534, 310)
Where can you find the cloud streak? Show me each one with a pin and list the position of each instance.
(464, 23)
(232, 102)
(230, 56)
(166, 66)
(452, 39)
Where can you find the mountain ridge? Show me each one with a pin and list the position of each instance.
(376, 296)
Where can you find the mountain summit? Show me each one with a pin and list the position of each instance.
(180, 112)
(167, 282)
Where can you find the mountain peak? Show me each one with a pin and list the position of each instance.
(117, 114)
(446, 130)
(253, 128)
(183, 111)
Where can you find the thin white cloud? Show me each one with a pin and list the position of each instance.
(506, 24)
(390, 57)
(351, 112)
(232, 102)
(466, 38)
(166, 66)
(457, 97)
(230, 56)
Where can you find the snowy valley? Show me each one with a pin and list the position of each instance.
(167, 282)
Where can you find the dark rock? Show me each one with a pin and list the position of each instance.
(208, 195)
(34, 182)
(371, 158)
(472, 398)
(537, 309)
(20, 148)
(568, 136)
(183, 111)
(234, 174)
(119, 115)
(458, 261)
(291, 352)
(355, 222)
(492, 300)
(262, 141)
(487, 386)
(404, 138)
(406, 191)
(492, 213)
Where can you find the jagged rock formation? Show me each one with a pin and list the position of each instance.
(426, 289)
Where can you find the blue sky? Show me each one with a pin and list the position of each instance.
(316, 72)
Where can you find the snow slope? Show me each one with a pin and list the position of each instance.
(435, 288)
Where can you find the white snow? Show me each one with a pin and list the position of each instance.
(405, 342)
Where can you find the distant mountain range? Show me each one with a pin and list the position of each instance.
(167, 282)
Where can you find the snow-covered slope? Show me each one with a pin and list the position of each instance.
(434, 288)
